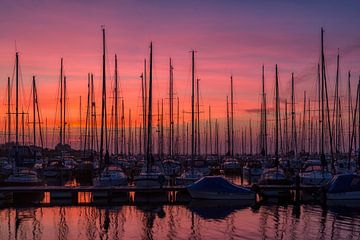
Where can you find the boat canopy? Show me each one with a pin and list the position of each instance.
(217, 184)
(344, 183)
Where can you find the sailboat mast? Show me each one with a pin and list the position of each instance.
(177, 127)
(116, 135)
(276, 116)
(17, 106)
(349, 110)
(149, 141)
(34, 112)
(64, 115)
(61, 102)
(80, 125)
(130, 134)
(232, 118)
(228, 126)
(198, 116)
(162, 129)
(9, 109)
(264, 131)
(251, 138)
(322, 154)
(192, 107)
(171, 132)
(210, 132)
(103, 102)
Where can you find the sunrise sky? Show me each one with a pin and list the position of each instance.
(230, 37)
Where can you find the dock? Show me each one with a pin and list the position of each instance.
(42, 189)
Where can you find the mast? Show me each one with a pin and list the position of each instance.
(87, 119)
(61, 102)
(210, 132)
(123, 128)
(80, 127)
(264, 110)
(322, 153)
(149, 137)
(198, 116)
(286, 129)
(64, 121)
(349, 110)
(304, 125)
(228, 126)
(358, 103)
(145, 99)
(116, 134)
(217, 137)
(177, 127)
(192, 108)
(325, 94)
(17, 107)
(162, 129)
(158, 129)
(171, 105)
(143, 109)
(264, 120)
(130, 134)
(232, 118)
(34, 114)
(336, 107)
(9, 109)
(183, 133)
(276, 117)
(251, 138)
(293, 117)
(103, 104)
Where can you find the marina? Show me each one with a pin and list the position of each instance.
(179, 120)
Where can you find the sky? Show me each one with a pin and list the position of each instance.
(230, 38)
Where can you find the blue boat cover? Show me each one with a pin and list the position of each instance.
(217, 184)
(344, 183)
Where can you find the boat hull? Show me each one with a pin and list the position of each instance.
(147, 181)
(344, 196)
(221, 195)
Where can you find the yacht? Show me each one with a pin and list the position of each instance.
(344, 187)
(111, 176)
(23, 177)
(218, 188)
(314, 174)
(231, 165)
(274, 183)
(151, 177)
(188, 177)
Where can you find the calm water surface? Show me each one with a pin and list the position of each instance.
(191, 221)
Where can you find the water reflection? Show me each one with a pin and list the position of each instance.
(197, 220)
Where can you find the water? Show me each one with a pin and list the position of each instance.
(179, 222)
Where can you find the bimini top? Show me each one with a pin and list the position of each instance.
(344, 183)
(217, 184)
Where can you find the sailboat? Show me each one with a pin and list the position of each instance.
(110, 175)
(191, 175)
(218, 188)
(231, 165)
(317, 174)
(274, 176)
(24, 176)
(151, 175)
